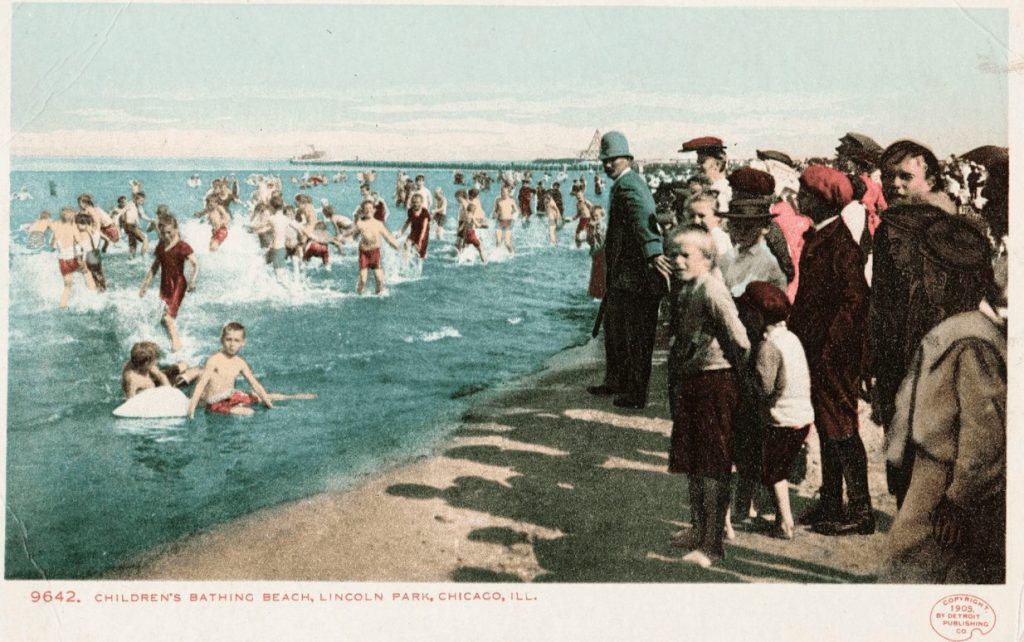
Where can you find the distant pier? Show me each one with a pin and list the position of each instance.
(534, 165)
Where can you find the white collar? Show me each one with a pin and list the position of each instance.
(624, 172)
(825, 223)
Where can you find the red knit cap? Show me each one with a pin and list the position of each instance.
(830, 184)
(767, 299)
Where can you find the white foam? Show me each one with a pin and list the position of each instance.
(445, 332)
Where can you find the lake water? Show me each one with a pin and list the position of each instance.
(86, 491)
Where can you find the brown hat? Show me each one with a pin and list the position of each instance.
(752, 194)
(767, 299)
(956, 244)
(704, 145)
(771, 154)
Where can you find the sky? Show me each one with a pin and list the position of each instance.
(400, 82)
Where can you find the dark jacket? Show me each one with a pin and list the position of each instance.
(830, 316)
(633, 237)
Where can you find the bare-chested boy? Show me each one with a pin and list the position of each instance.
(70, 244)
(554, 217)
(505, 210)
(466, 234)
(38, 229)
(318, 244)
(216, 386)
(480, 214)
(440, 212)
(218, 218)
(369, 231)
(583, 210)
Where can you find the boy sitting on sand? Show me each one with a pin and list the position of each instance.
(369, 230)
(216, 386)
(141, 372)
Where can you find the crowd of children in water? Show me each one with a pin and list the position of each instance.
(290, 235)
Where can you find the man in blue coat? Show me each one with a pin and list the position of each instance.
(637, 277)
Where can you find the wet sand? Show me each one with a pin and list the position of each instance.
(541, 482)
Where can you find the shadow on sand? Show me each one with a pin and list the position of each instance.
(600, 482)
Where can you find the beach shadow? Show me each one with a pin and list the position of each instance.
(597, 477)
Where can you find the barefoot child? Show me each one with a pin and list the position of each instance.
(37, 231)
(218, 218)
(505, 209)
(216, 386)
(131, 221)
(784, 387)
(418, 224)
(553, 215)
(466, 234)
(708, 345)
(171, 255)
(369, 230)
(89, 240)
(141, 372)
(69, 243)
(440, 212)
(583, 214)
(318, 243)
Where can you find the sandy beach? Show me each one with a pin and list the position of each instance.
(541, 482)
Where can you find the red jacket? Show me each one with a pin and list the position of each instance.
(830, 316)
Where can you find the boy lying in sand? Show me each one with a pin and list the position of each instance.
(216, 386)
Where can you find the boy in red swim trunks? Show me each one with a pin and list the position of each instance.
(583, 209)
(418, 225)
(171, 255)
(216, 386)
(318, 243)
(369, 230)
(505, 210)
(218, 218)
(70, 243)
(466, 234)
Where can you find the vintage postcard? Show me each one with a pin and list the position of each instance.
(511, 321)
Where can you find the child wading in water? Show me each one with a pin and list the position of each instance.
(141, 372)
(505, 210)
(216, 386)
(369, 230)
(466, 230)
(70, 242)
(784, 383)
(171, 255)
